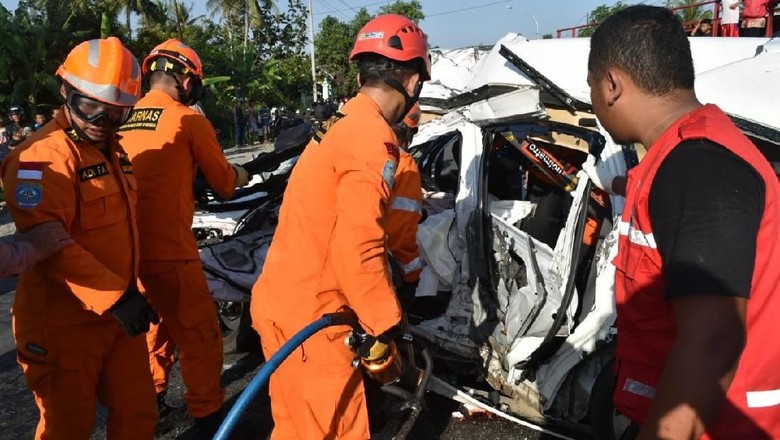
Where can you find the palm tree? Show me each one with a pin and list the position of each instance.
(691, 14)
(146, 8)
(180, 13)
(234, 10)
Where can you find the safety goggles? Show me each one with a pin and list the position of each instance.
(91, 110)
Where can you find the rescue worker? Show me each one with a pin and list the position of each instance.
(19, 129)
(697, 264)
(39, 243)
(329, 250)
(168, 142)
(406, 211)
(77, 315)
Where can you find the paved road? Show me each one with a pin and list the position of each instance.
(19, 415)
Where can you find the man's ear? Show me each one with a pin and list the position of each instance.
(63, 93)
(412, 83)
(614, 83)
(360, 81)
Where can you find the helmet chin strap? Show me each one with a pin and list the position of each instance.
(183, 98)
(409, 100)
(74, 132)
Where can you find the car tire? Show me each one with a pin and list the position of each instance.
(606, 422)
(238, 336)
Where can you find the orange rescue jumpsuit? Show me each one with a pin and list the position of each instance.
(70, 347)
(167, 141)
(404, 216)
(328, 252)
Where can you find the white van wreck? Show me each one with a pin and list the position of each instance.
(517, 242)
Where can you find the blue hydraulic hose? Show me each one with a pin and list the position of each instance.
(266, 370)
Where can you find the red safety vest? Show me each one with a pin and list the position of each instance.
(646, 329)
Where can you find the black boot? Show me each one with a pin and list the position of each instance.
(163, 409)
(206, 427)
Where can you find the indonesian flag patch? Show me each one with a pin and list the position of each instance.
(30, 171)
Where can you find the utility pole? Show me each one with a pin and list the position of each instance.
(246, 26)
(533, 17)
(313, 70)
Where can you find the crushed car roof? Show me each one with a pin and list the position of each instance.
(747, 88)
(734, 73)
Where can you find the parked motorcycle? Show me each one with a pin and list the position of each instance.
(283, 121)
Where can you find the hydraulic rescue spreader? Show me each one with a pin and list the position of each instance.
(396, 371)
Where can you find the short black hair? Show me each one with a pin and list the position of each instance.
(649, 44)
(160, 77)
(374, 68)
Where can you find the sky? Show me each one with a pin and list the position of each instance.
(458, 23)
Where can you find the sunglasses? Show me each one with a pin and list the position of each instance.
(91, 110)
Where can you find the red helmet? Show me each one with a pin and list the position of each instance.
(394, 37)
(173, 49)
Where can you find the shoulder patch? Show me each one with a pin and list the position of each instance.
(142, 119)
(93, 172)
(392, 150)
(388, 172)
(28, 194)
(30, 171)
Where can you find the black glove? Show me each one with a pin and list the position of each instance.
(406, 294)
(134, 313)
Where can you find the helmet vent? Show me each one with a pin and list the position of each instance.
(395, 42)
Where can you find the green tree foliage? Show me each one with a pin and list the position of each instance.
(332, 46)
(358, 21)
(690, 14)
(273, 65)
(145, 8)
(411, 9)
(334, 42)
(36, 37)
(598, 15)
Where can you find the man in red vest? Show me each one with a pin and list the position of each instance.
(698, 265)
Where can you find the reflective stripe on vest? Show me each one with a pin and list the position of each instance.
(411, 266)
(634, 386)
(763, 399)
(406, 204)
(636, 236)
